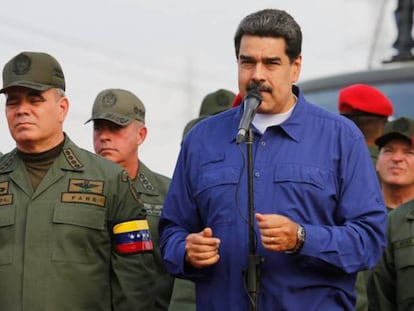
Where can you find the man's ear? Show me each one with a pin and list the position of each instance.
(141, 134)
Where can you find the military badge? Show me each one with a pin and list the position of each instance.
(5, 198)
(109, 99)
(85, 191)
(21, 64)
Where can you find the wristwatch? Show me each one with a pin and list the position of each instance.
(301, 236)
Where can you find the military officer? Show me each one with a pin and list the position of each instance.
(369, 109)
(212, 103)
(118, 131)
(390, 285)
(72, 236)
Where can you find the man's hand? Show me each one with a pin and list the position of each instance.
(202, 249)
(278, 233)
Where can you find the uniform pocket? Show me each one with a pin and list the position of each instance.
(404, 265)
(80, 233)
(7, 231)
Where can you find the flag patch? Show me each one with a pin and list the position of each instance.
(132, 237)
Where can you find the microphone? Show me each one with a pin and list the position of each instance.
(251, 102)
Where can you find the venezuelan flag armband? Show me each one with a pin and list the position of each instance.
(132, 237)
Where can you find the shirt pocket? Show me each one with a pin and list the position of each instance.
(297, 188)
(215, 193)
(80, 233)
(311, 177)
(404, 265)
(7, 234)
(218, 177)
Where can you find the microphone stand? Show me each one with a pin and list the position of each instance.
(254, 260)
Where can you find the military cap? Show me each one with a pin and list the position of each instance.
(212, 103)
(118, 106)
(362, 98)
(216, 102)
(399, 128)
(34, 70)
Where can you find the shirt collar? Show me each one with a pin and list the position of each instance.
(293, 126)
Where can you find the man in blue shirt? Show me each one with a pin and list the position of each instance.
(319, 214)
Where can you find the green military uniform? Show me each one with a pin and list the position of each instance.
(361, 291)
(152, 188)
(363, 276)
(390, 284)
(373, 151)
(57, 247)
(183, 296)
(393, 278)
(122, 107)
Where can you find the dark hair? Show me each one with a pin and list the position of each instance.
(274, 24)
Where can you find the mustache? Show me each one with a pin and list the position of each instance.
(259, 87)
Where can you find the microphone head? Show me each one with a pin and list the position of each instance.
(254, 91)
(252, 100)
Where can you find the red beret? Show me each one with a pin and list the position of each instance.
(365, 98)
(237, 100)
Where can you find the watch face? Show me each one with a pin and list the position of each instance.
(301, 240)
(301, 234)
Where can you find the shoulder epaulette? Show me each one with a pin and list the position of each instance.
(72, 159)
(6, 160)
(145, 182)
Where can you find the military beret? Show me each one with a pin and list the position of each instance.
(358, 98)
(399, 128)
(237, 100)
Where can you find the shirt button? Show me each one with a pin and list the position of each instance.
(263, 143)
(257, 174)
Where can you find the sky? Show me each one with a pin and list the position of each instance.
(172, 53)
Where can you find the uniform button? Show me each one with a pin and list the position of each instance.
(257, 174)
(263, 143)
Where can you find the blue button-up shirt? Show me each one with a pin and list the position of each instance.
(313, 168)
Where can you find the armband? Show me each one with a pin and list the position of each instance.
(132, 237)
